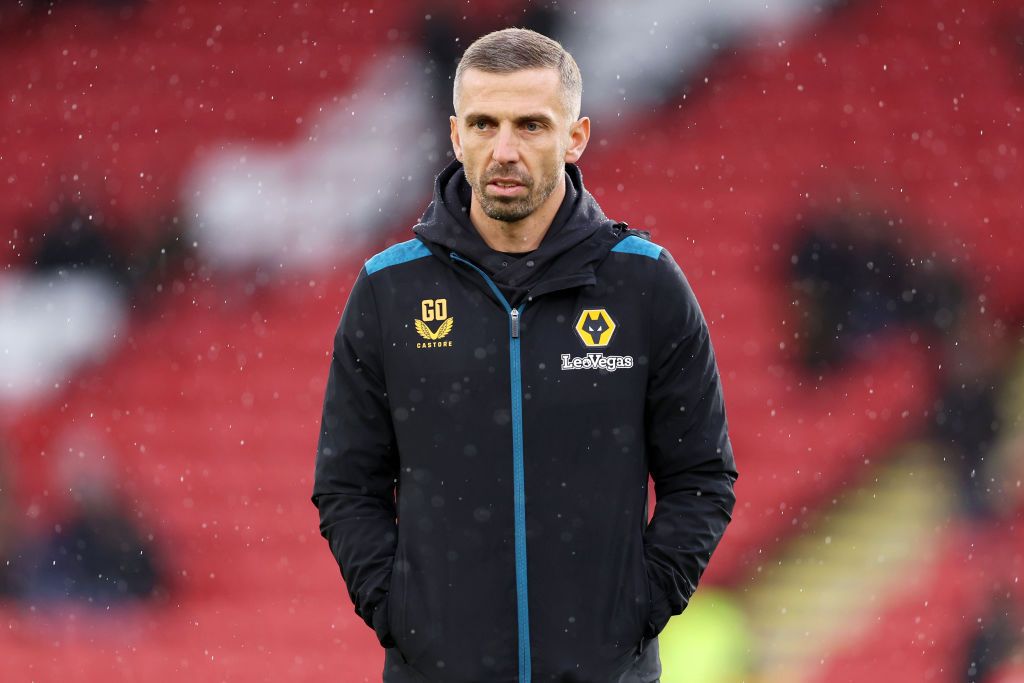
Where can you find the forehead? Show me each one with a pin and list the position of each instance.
(509, 94)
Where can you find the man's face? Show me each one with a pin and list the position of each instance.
(513, 135)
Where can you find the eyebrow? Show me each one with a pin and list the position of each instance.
(474, 117)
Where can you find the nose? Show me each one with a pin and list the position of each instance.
(506, 146)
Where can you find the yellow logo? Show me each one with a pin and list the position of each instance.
(595, 328)
(434, 310)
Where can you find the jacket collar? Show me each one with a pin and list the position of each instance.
(579, 238)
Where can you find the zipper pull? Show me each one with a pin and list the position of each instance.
(514, 314)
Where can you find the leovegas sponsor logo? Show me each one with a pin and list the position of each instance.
(596, 361)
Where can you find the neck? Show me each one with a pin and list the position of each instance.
(522, 235)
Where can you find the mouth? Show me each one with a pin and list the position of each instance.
(505, 187)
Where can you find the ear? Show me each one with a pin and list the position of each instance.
(579, 136)
(456, 141)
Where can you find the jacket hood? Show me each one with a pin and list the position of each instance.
(579, 238)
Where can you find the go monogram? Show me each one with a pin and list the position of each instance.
(434, 310)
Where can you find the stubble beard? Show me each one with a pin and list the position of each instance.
(513, 209)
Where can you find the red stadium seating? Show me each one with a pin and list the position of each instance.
(924, 632)
(212, 409)
(128, 105)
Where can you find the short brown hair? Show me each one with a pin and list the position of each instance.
(515, 49)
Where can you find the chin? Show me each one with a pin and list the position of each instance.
(507, 215)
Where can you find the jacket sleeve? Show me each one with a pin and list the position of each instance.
(357, 461)
(690, 456)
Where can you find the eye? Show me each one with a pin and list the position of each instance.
(480, 125)
(532, 126)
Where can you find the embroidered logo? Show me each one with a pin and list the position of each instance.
(434, 310)
(596, 361)
(595, 328)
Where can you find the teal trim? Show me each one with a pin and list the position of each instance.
(638, 245)
(519, 503)
(396, 254)
(518, 476)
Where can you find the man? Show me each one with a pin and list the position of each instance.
(517, 370)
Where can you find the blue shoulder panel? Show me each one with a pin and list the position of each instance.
(638, 245)
(395, 254)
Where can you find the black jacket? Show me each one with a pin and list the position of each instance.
(520, 436)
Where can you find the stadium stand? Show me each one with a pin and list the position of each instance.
(923, 633)
(213, 399)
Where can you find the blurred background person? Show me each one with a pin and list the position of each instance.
(96, 553)
(10, 533)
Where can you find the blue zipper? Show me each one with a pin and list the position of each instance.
(518, 476)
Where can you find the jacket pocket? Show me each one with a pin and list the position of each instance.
(409, 634)
(630, 600)
(396, 600)
(648, 606)
(646, 603)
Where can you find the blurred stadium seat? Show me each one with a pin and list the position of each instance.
(914, 106)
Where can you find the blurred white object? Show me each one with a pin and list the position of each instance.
(633, 54)
(50, 323)
(364, 164)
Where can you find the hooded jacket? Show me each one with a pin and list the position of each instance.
(488, 430)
